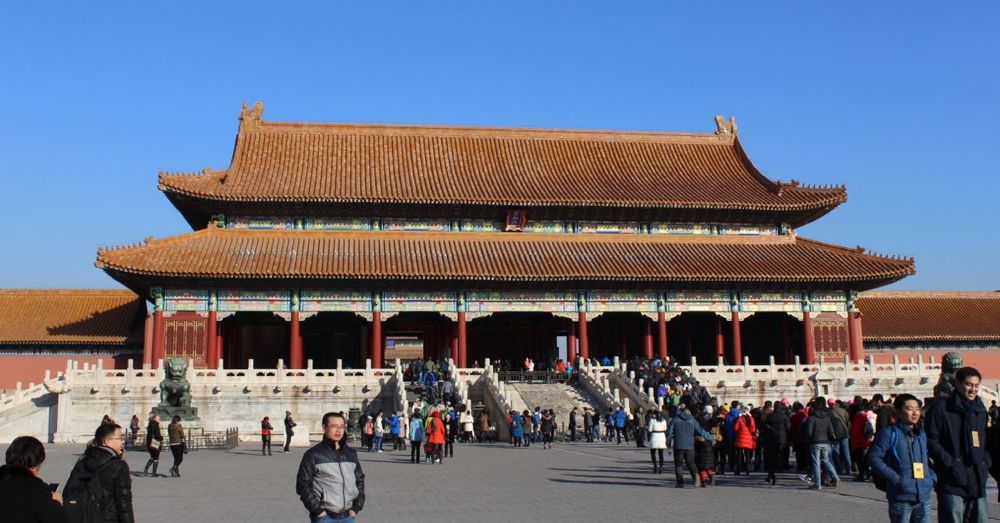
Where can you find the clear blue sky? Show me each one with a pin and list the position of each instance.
(899, 101)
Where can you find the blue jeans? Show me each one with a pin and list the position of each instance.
(956, 508)
(326, 518)
(378, 443)
(821, 455)
(841, 455)
(906, 512)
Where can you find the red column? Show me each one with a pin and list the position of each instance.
(737, 347)
(220, 344)
(462, 344)
(648, 338)
(807, 325)
(855, 339)
(661, 324)
(295, 344)
(147, 342)
(584, 345)
(720, 339)
(212, 340)
(157, 337)
(376, 340)
(571, 343)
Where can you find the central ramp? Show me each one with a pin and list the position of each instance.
(560, 397)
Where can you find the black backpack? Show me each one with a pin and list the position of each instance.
(839, 427)
(83, 496)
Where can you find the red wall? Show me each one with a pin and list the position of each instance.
(28, 368)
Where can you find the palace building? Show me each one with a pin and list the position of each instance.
(329, 242)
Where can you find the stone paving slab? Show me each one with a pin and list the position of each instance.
(493, 482)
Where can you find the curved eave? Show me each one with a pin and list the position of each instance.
(825, 204)
(936, 337)
(232, 255)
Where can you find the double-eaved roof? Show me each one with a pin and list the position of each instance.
(556, 173)
(70, 317)
(380, 171)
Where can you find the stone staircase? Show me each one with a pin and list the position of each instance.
(561, 397)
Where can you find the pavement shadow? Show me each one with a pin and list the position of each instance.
(608, 482)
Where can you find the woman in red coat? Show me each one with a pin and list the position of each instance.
(862, 435)
(435, 435)
(745, 441)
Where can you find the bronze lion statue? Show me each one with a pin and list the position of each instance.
(175, 391)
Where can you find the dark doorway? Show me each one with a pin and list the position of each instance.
(777, 334)
(414, 335)
(329, 336)
(694, 334)
(509, 337)
(261, 336)
(618, 334)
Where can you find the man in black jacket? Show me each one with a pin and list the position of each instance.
(330, 482)
(956, 441)
(102, 462)
(819, 433)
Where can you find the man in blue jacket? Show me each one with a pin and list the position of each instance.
(956, 442)
(619, 424)
(680, 436)
(899, 455)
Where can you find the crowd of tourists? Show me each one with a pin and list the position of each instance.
(908, 450)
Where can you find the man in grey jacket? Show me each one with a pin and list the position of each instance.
(819, 433)
(330, 482)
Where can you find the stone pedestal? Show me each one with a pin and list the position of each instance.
(167, 413)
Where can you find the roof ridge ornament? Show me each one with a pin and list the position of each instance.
(252, 116)
(725, 129)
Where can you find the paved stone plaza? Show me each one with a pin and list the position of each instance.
(589, 482)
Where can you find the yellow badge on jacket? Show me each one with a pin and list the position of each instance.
(918, 471)
(975, 438)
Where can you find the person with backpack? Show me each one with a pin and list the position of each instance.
(841, 448)
(100, 488)
(154, 443)
(175, 431)
(899, 461)
(23, 495)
